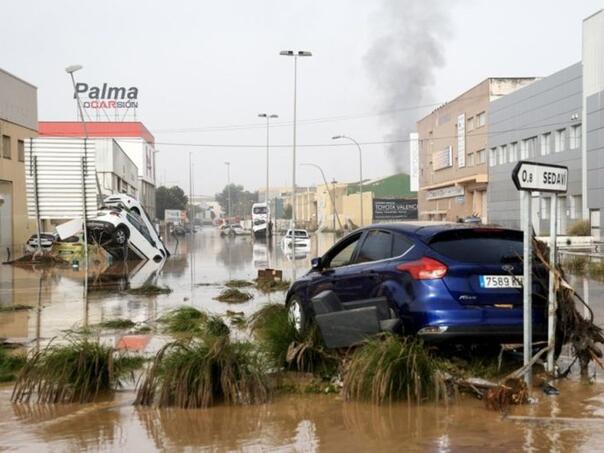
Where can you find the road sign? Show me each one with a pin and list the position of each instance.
(535, 176)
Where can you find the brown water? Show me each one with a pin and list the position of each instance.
(288, 423)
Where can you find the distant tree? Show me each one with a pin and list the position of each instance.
(169, 198)
(287, 211)
(241, 200)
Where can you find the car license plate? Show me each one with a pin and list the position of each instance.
(500, 281)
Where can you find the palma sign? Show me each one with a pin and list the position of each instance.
(107, 96)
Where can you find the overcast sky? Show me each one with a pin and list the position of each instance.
(205, 69)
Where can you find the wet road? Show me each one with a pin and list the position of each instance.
(289, 423)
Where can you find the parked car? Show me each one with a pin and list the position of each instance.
(300, 237)
(458, 283)
(233, 229)
(46, 242)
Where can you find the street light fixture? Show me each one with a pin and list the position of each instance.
(228, 165)
(295, 55)
(70, 70)
(345, 137)
(330, 192)
(268, 118)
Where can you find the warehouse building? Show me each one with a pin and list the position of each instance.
(18, 122)
(556, 120)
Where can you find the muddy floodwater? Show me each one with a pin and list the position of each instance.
(67, 298)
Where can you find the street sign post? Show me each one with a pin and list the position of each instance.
(531, 177)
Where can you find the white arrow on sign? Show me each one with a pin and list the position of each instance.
(540, 177)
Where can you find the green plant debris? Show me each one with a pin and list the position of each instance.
(143, 329)
(15, 307)
(238, 284)
(576, 264)
(184, 320)
(285, 346)
(117, 324)
(77, 371)
(149, 290)
(579, 228)
(203, 372)
(216, 327)
(10, 364)
(268, 285)
(233, 296)
(389, 368)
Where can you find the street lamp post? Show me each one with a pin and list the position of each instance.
(295, 54)
(190, 191)
(330, 192)
(268, 118)
(228, 165)
(70, 70)
(338, 137)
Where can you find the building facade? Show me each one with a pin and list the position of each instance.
(540, 123)
(132, 136)
(451, 160)
(18, 122)
(556, 120)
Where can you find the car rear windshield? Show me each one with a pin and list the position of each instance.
(481, 245)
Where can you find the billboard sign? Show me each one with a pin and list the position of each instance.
(443, 158)
(461, 140)
(106, 96)
(174, 215)
(414, 161)
(394, 209)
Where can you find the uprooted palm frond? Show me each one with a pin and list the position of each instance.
(117, 324)
(10, 364)
(182, 320)
(233, 296)
(270, 285)
(572, 327)
(149, 290)
(285, 346)
(191, 321)
(203, 372)
(238, 284)
(77, 371)
(389, 368)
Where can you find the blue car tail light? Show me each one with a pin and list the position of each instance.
(425, 268)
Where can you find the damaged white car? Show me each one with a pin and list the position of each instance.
(124, 229)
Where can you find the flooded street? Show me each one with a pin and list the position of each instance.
(308, 422)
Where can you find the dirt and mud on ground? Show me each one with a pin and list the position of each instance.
(195, 276)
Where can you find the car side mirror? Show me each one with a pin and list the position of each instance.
(316, 263)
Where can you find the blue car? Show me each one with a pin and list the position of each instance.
(457, 283)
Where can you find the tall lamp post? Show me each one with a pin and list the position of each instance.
(268, 118)
(228, 166)
(70, 70)
(339, 137)
(190, 191)
(295, 54)
(330, 192)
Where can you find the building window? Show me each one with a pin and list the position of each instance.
(470, 160)
(575, 137)
(493, 157)
(574, 206)
(560, 144)
(481, 156)
(6, 147)
(514, 152)
(503, 154)
(481, 119)
(470, 124)
(528, 148)
(546, 143)
(21, 150)
(546, 206)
